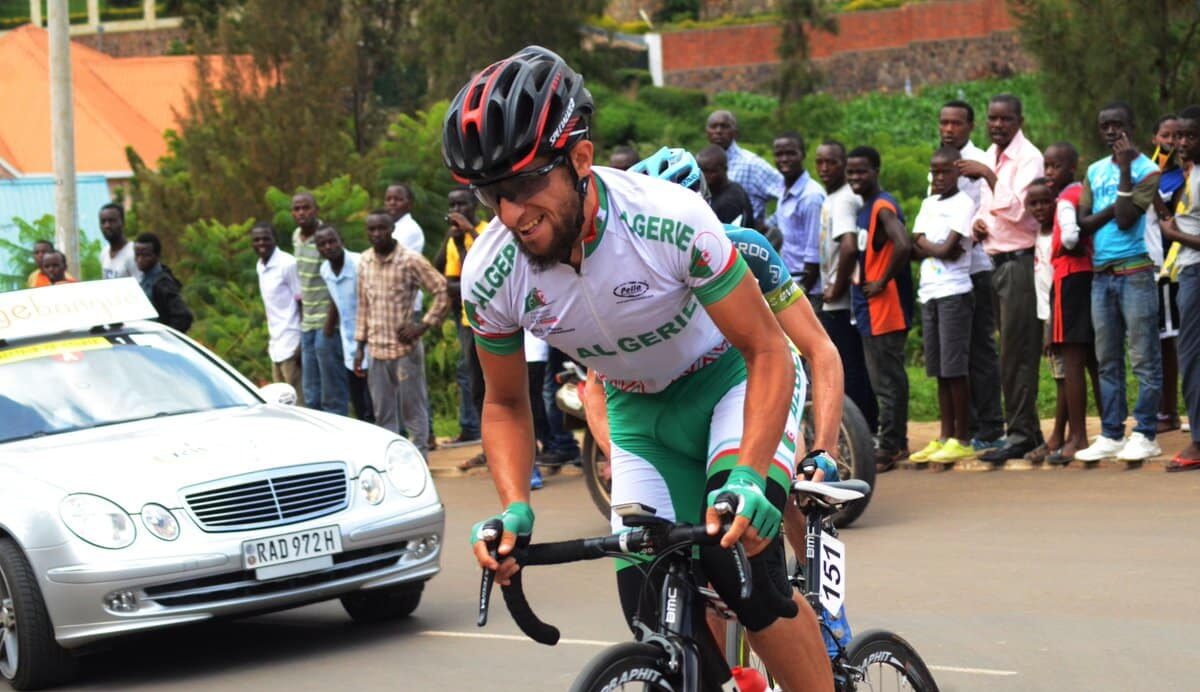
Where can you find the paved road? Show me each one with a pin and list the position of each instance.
(1006, 581)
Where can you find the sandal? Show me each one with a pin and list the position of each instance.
(1181, 464)
(1038, 454)
(475, 462)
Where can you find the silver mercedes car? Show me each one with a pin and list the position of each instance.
(144, 483)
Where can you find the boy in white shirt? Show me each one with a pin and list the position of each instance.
(942, 240)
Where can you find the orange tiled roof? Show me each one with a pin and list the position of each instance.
(119, 102)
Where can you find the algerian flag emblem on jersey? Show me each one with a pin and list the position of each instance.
(536, 299)
(472, 316)
(701, 264)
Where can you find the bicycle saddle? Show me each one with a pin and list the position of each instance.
(835, 493)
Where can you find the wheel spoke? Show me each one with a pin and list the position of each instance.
(8, 652)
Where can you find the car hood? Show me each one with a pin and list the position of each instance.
(149, 461)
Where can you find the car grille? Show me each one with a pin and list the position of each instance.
(242, 584)
(271, 498)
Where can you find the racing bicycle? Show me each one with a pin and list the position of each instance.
(674, 651)
(855, 449)
(873, 660)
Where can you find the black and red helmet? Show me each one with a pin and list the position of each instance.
(528, 104)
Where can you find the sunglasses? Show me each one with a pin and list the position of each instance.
(516, 188)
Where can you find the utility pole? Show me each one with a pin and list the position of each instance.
(62, 134)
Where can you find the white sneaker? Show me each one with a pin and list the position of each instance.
(1139, 448)
(1102, 448)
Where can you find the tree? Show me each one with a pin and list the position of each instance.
(453, 37)
(281, 98)
(1094, 51)
(20, 261)
(797, 75)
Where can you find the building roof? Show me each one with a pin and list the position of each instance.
(118, 102)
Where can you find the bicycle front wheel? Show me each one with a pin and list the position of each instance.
(879, 660)
(627, 666)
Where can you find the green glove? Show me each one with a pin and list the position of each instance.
(752, 503)
(518, 519)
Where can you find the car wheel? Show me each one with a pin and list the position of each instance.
(30, 657)
(378, 605)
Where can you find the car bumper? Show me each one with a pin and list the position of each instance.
(101, 597)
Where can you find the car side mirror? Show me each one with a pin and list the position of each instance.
(279, 393)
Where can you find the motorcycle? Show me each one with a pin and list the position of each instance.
(855, 450)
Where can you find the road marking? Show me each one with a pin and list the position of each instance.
(975, 671)
(512, 637)
(597, 642)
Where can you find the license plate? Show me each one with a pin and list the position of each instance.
(291, 547)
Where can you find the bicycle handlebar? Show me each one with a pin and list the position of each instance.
(650, 539)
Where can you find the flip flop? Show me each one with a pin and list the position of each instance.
(1181, 464)
(1058, 459)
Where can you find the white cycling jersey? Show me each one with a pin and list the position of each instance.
(654, 254)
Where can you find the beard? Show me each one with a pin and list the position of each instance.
(563, 238)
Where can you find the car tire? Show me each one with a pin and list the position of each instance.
(378, 605)
(37, 660)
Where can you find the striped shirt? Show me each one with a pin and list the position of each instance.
(758, 178)
(386, 288)
(314, 294)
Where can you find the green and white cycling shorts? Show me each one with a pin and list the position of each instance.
(666, 446)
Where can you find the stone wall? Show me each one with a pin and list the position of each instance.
(844, 74)
(931, 42)
(127, 44)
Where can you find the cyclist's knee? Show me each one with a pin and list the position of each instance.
(771, 594)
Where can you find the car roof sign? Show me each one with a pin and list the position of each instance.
(72, 306)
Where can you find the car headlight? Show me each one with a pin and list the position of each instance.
(97, 521)
(160, 522)
(406, 468)
(370, 482)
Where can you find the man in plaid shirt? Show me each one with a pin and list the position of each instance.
(388, 280)
(758, 178)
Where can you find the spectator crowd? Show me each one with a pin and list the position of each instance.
(1022, 254)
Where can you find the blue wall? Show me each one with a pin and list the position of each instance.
(32, 197)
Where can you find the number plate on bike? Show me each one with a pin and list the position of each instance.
(291, 547)
(832, 563)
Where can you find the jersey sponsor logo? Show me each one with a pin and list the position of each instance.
(662, 229)
(633, 344)
(492, 278)
(631, 289)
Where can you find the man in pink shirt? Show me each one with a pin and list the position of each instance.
(1007, 231)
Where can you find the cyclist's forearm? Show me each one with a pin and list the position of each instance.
(595, 408)
(801, 325)
(769, 384)
(508, 443)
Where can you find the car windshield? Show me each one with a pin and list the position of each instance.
(75, 383)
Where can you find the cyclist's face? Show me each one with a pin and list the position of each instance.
(546, 223)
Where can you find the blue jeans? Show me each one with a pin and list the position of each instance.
(1189, 343)
(468, 417)
(1126, 308)
(324, 372)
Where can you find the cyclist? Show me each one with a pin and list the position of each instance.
(636, 278)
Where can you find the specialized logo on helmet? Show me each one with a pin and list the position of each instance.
(562, 123)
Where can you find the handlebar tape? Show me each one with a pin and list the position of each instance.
(522, 614)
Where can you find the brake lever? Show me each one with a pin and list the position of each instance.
(724, 505)
(490, 532)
